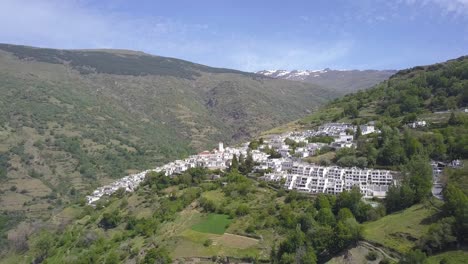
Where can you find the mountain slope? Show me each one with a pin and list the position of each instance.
(343, 81)
(72, 120)
(184, 217)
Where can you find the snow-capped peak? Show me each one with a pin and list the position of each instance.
(292, 75)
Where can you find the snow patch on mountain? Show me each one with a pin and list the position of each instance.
(294, 75)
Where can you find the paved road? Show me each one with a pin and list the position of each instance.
(437, 190)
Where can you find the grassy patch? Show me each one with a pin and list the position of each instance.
(452, 257)
(400, 230)
(213, 223)
(216, 196)
(191, 244)
(329, 156)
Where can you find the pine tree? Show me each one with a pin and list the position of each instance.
(249, 163)
(234, 163)
(453, 120)
(358, 132)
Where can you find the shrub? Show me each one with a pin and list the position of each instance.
(250, 229)
(110, 219)
(208, 243)
(157, 255)
(385, 261)
(372, 255)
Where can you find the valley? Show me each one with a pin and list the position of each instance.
(74, 120)
(243, 132)
(239, 203)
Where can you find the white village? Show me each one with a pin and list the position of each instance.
(289, 169)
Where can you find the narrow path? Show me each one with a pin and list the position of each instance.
(369, 245)
(244, 237)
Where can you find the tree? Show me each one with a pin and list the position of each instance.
(294, 250)
(208, 243)
(393, 110)
(372, 154)
(439, 236)
(157, 256)
(234, 163)
(358, 132)
(325, 217)
(242, 209)
(321, 237)
(274, 154)
(411, 144)
(391, 153)
(247, 165)
(305, 255)
(42, 245)
(110, 219)
(399, 197)
(361, 162)
(454, 120)
(346, 232)
(351, 109)
(344, 214)
(349, 199)
(410, 104)
(409, 118)
(347, 161)
(307, 222)
(456, 204)
(253, 145)
(419, 171)
(414, 257)
(322, 201)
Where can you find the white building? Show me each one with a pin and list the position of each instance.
(367, 129)
(417, 124)
(318, 179)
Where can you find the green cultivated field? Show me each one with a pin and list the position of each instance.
(213, 223)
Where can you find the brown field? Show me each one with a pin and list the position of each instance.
(235, 241)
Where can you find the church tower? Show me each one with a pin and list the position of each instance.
(221, 147)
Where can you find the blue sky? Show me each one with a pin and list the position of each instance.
(250, 35)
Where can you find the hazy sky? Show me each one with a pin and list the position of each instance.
(250, 35)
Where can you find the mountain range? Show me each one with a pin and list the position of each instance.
(342, 81)
(214, 216)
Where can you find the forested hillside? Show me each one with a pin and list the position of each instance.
(438, 95)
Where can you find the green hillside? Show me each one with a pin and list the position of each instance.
(437, 94)
(72, 120)
(189, 216)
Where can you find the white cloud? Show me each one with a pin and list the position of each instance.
(448, 7)
(71, 24)
(75, 24)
